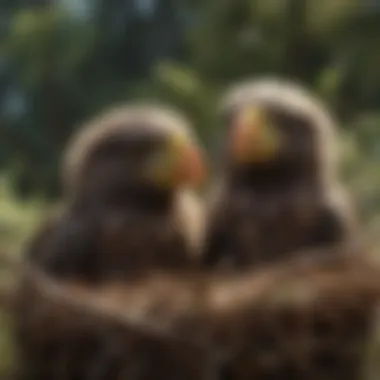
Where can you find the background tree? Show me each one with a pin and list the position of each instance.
(63, 61)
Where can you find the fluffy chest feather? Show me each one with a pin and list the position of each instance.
(258, 228)
(136, 242)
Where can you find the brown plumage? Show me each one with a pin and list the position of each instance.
(278, 192)
(305, 319)
(128, 177)
(130, 209)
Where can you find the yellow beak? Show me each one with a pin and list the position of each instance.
(254, 139)
(180, 163)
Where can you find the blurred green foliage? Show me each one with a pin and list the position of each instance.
(63, 61)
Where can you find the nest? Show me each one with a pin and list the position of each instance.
(303, 319)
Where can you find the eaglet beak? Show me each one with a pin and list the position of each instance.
(254, 139)
(180, 163)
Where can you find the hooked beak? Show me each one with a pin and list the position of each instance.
(180, 163)
(253, 138)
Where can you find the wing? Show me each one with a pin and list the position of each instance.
(65, 246)
(337, 221)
